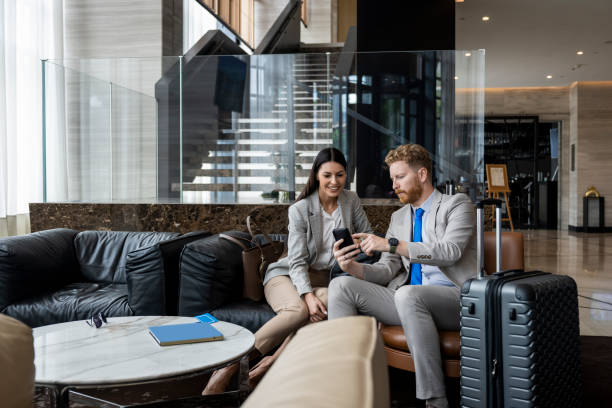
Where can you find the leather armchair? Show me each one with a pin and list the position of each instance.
(398, 354)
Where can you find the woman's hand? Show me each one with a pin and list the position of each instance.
(316, 308)
(370, 243)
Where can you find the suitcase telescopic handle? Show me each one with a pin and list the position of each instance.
(489, 201)
(480, 234)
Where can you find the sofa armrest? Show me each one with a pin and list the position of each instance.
(35, 263)
(152, 275)
(335, 363)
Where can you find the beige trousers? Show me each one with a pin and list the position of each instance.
(291, 310)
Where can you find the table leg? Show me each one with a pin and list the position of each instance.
(57, 395)
(243, 378)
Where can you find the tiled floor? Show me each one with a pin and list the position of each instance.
(585, 257)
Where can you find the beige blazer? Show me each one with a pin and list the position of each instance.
(452, 248)
(306, 236)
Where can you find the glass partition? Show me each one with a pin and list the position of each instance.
(246, 128)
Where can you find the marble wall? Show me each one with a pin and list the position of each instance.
(177, 217)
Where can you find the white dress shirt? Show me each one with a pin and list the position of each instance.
(325, 257)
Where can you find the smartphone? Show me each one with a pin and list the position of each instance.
(343, 233)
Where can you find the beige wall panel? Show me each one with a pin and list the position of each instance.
(494, 101)
(536, 100)
(266, 12)
(563, 187)
(319, 28)
(574, 204)
(112, 28)
(594, 133)
(101, 40)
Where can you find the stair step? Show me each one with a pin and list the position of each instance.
(310, 75)
(308, 65)
(299, 159)
(241, 173)
(313, 120)
(205, 150)
(322, 104)
(226, 187)
(230, 187)
(298, 98)
(306, 111)
(318, 130)
(260, 120)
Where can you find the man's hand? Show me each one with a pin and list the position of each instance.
(370, 243)
(316, 308)
(346, 255)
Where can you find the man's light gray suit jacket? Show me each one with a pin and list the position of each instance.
(452, 246)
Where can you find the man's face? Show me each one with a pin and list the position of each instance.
(406, 182)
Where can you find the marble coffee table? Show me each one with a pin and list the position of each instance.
(73, 354)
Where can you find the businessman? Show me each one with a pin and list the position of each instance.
(433, 238)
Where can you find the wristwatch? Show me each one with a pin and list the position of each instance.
(393, 243)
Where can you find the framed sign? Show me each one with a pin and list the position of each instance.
(497, 178)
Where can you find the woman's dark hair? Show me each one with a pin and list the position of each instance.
(330, 154)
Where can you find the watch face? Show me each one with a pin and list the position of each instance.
(393, 241)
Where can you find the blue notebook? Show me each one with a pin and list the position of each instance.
(184, 333)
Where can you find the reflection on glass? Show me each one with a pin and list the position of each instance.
(246, 128)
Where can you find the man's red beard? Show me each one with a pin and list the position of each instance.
(410, 196)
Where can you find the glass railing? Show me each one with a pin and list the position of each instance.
(246, 128)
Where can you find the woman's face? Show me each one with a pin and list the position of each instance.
(331, 177)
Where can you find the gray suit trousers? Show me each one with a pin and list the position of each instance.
(420, 310)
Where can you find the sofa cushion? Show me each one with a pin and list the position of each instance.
(245, 313)
(210, 274)
(16, 364)
(75, 301)
(102, 254)
(335, 363)
(152, 275)
(35, 263)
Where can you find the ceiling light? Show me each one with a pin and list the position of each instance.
(459, 1)
(486, 18)
(468, 54)
(579, 52)
(548, 76)
(456, 77)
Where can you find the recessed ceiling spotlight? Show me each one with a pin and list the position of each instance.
(468, 54)
(456, 77)
(548, 76)
(486, 18)
(579, 52)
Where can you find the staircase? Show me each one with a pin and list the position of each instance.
(259, 158)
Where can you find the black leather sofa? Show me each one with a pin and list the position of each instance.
(62, 275)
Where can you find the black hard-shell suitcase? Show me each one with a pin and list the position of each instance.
(519, 336)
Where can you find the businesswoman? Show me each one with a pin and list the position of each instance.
(296, 286)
